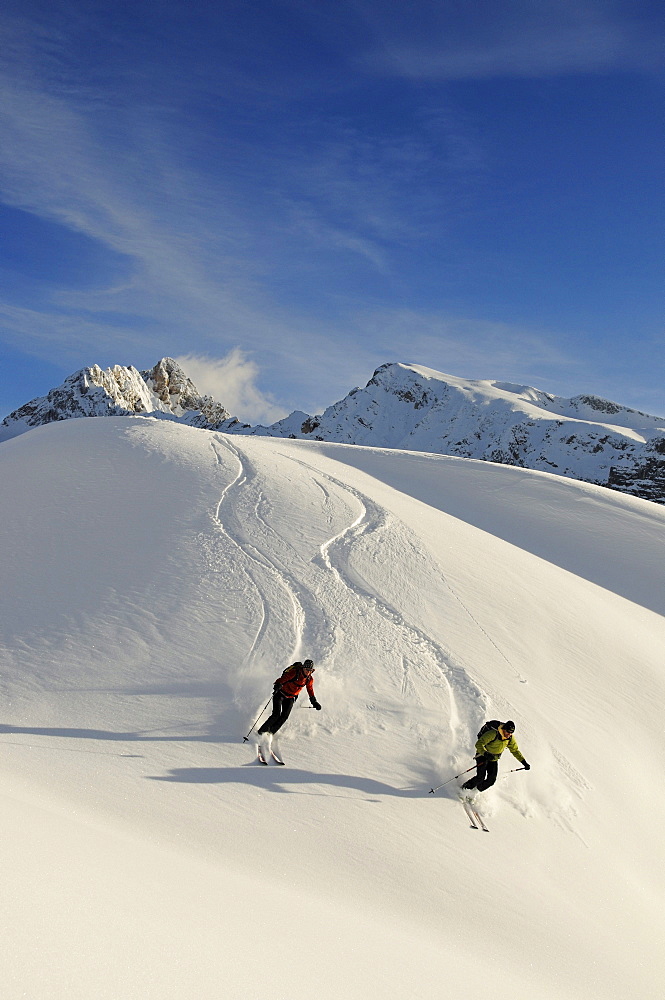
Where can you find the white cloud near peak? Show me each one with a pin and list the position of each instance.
(232, 381)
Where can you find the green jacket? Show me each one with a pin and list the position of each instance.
(490, 743)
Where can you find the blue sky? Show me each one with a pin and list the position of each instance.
(291, 193)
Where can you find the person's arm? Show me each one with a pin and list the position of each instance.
(482, 742)
(309, 684)
(285, 677)
(515, 750)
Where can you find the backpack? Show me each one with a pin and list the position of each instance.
(292, 673)
(492, 724)
(289, 673)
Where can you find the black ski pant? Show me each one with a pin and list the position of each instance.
(487, 770)
(281, 710)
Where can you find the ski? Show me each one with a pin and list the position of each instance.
(479, 819)
(274, 756)
(476, 820)
(467, 810)
(262, 759)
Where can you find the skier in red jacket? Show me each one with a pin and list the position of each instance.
(285, 693)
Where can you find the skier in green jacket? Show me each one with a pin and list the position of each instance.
(489, 747)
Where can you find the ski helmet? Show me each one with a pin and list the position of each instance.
(508, 727)
(308, 664)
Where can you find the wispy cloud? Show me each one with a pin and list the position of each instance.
(472, 347)
(515, 38)
(114, 161)
(211, 257)
(232, 381)
(197, 254)
(52, 335)
(382, 184)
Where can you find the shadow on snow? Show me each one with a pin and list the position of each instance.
(275, 778)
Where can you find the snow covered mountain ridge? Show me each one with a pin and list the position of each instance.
(402, 406)
(164, 391)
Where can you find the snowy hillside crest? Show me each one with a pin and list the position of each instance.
(157, 579)
(406, 407)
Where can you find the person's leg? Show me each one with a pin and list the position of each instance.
(284, 712)
(491, 770)
(479, 775)
(272, 720)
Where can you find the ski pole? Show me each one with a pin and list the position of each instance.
(432, 790)
(245, 738)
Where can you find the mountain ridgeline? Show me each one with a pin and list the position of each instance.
(405, 407)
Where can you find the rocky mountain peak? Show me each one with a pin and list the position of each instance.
(172, 387)
(418, 409)
(163, 391)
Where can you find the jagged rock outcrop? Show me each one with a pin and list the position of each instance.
(163, 391)
(179, 395)
(647, 478)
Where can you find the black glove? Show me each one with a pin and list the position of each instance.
(315, 704)
(527, 767)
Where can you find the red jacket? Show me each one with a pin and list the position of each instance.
(293, 680)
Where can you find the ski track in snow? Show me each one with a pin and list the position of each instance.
(318, 604)
(261, 571)
(481, 628)
(466, 701)
(318, 592)
(264, 612)
(264, 546)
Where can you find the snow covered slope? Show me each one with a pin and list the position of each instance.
(157, 578)
(408, 406)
